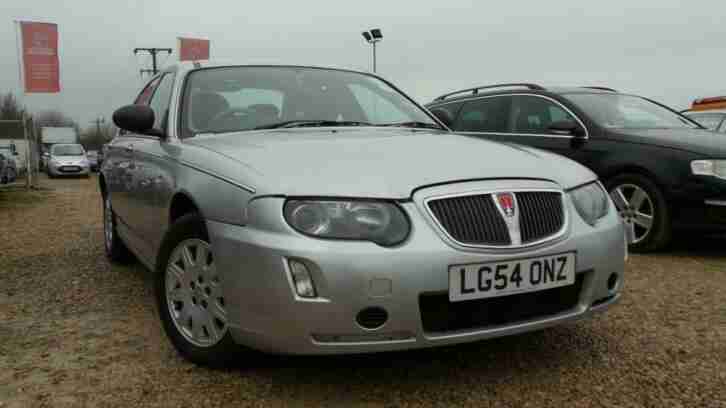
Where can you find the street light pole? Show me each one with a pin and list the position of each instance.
(374, 56)
(372, 37)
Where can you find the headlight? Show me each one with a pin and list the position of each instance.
(376, 221)
(591, 202)
(716, 168)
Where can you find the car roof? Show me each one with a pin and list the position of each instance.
(509, 88)
(261, 62)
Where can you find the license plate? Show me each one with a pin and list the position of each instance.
(477, 281)
(70, 168)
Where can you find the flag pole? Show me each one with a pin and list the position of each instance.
(23, 118)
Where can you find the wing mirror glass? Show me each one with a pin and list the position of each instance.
(566, 127)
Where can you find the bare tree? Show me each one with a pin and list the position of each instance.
(10, 108)
(52, 118)
(93, 138)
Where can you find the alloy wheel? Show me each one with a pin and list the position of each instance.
(635, 206)
(194, 294)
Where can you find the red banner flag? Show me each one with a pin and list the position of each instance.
(193, 49)
(40, 57)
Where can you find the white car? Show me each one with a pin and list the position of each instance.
(68, 160)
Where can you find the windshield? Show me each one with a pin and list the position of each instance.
(708, 120)
(245, 98)
(628, 112)
(67, 150)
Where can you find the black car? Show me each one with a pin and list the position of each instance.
(664, 171)
(714, 120)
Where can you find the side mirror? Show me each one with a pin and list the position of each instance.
(136, 119)
(444, 116)
(566, 127)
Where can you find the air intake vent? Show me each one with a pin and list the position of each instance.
(541, 214)
(471, 219)
(476, 220)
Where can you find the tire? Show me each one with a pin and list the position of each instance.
(116, 250)
(633, 187)
(11, 176)
(192, 323)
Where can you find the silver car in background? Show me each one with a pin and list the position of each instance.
(309, 210)
(67, 159)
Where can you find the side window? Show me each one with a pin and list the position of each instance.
(451, 108)
(484, 115)
(723, 125)
(145, 95)
(532, 114)
(160, 101)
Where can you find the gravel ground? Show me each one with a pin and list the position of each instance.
(78, 331)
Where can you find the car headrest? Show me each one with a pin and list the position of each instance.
(264, 109)
(206, 106)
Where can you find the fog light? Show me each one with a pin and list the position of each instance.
(372, 318)
(301, 280)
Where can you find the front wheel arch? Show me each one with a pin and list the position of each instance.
(224, 352)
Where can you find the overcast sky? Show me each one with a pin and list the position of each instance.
(673, 51)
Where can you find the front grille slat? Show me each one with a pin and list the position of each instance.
(476, 220)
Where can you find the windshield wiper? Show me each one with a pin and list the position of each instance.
(413, 124)
(303, 123)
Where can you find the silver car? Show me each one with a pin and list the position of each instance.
(67, 159)
(308, 210)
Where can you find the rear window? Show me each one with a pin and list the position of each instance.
(628, 112)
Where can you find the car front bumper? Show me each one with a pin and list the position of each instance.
(68, 170)
(265, 313)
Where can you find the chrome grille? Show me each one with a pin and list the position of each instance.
(476, 219)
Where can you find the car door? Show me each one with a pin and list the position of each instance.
(118, 177)
(530, 119)
(154, 171)
(123, 163)
(525, 119)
